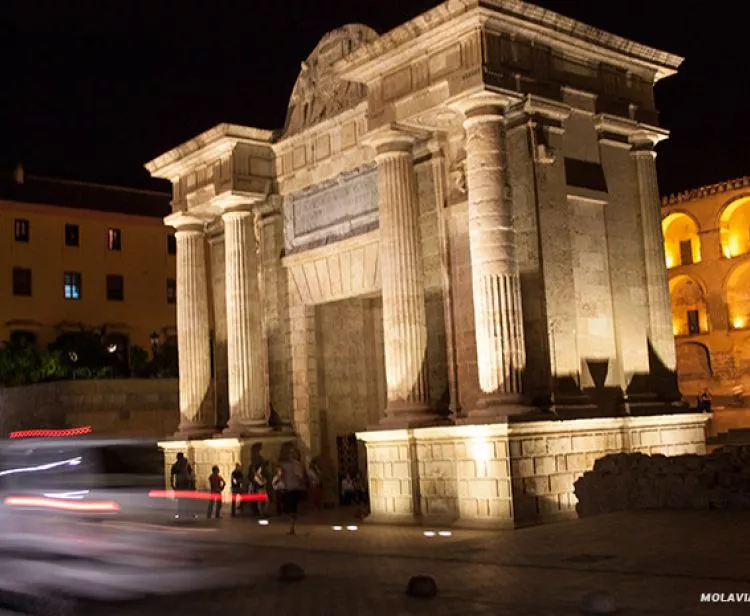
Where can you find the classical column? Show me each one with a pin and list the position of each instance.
(197, 414)
(498, 318)
(661, 336)
(247, 395)
(404, 318)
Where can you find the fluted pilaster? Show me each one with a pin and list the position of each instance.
(498, 317)
(404, 318)
(197, 413)
(247, 396)
(661, 335)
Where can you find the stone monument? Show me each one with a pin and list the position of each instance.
(452, 249)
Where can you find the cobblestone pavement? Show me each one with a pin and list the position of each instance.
(652, 563)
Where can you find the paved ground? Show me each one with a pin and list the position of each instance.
(653, 563)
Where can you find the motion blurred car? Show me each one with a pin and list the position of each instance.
(88, 518)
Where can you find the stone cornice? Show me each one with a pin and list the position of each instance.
(207, 146)
(395, 47)
(621, 132)
(706, 191)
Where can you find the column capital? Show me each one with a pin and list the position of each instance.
(237, 211)
(484, 107)
(182, 221)
(645, 139)
(392, 140)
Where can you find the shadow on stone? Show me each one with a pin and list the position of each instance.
(421, 586)
(599, 602)
(291, 572)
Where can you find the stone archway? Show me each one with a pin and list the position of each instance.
(337, 347)
(734, 228)
(682, 244)
(738, 296)
(689, 306)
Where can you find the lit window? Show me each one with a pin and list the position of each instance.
(115, 287)
(22, 281)
(71, 235)
(171, 244)
(171, 290)
(114, 239)
(21, 230)
(72, 285)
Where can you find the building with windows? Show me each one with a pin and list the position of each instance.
(707, 248)
(76, 255)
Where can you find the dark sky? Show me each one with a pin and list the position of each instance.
(94, 89)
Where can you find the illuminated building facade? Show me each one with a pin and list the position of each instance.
(707, 250)
(79, 255)
(457, 229)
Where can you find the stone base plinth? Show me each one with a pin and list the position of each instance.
(506, 474)
(203, 454)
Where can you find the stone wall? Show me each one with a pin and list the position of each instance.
(623, 482)
(506, 474)
(121, 407)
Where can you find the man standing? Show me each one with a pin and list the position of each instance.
(216, 483)
(238, 484)
(182, 480)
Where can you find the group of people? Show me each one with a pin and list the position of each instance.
(285, 486)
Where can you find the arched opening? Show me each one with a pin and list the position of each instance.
(682, 244)
(734, 228)
(689, 307)
(694, 361)
(738, 296)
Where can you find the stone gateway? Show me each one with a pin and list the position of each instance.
(452, 249)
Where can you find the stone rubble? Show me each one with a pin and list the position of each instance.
(631, 481)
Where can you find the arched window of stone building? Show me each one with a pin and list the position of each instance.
(734, 228)
(738, 296)
(682, 244)
(689, 307)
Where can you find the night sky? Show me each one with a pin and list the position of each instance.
(93, 90)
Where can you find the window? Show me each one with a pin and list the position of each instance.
(22, 281)
(115, 287)
(114, 239)
(171, 244)
(72, 285)
(21, 230)
(71, 235)
(686, 252)
(694, 323)
(171, 290)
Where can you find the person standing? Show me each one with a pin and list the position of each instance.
(182, 479)
(293, 474)
(261, 481)
(216, 483)
(237, 480)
